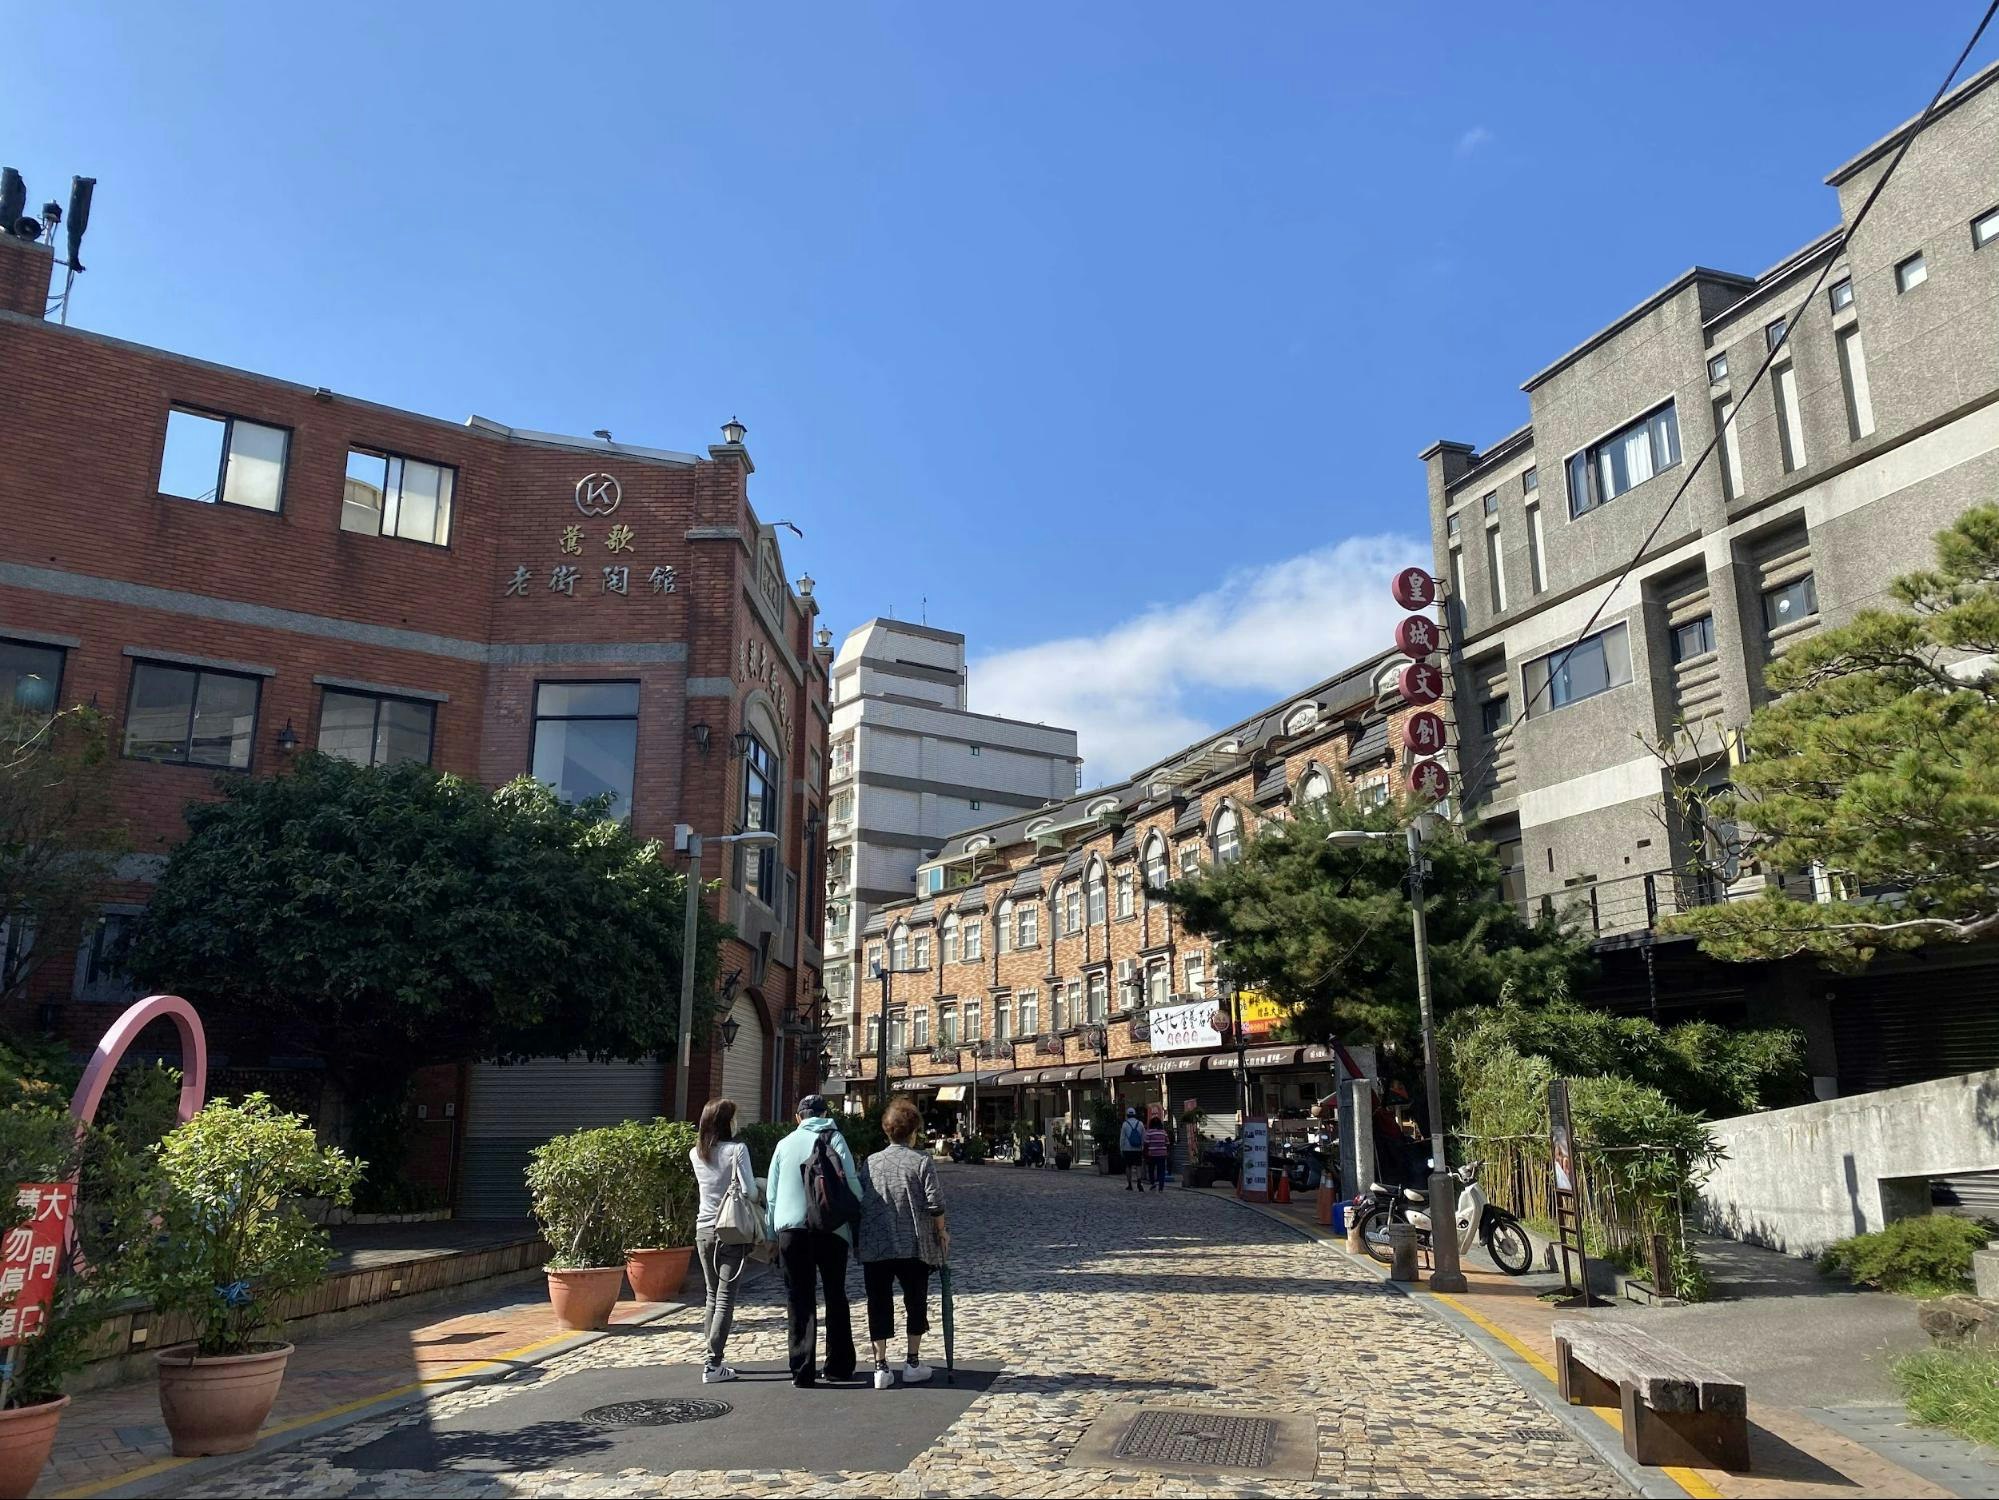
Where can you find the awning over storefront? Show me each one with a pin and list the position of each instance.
(1262, 1057)
(1179, 1062)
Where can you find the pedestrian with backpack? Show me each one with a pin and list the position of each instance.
(1131, 1146)
(903, 1238)
(728, 1192)
(815, 1206)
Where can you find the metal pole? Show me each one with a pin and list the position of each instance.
(687, 938)
(1241, 1056)
(881, 1045)
(1445, 1276)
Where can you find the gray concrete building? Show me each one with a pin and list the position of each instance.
(1877, 424)
(912, 765)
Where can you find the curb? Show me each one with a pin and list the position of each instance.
(1596, 1435)
(170, 1476)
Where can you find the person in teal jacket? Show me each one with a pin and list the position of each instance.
(805, 1254)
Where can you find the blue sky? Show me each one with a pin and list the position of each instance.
(1112, 330)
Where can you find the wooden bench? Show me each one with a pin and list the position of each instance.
(1676, 1410)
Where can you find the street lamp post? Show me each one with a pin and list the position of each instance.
(687, 841)
(1445, 1274)
(885, 972)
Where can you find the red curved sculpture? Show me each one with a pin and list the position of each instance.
(125, 1031)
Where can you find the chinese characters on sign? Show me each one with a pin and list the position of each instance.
(1421, 683)
(29, 1257)
(761, 666)
(1418, 637)
(615, 578)
(1414, 588)
(1178, 1028)
(1423, 733)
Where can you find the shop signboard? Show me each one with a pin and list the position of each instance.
(1261, 1015)
(1186, 1027)
(1254, 1178)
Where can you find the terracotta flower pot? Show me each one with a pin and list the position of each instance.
(27, 1433)
(217, 1403)
(658, 1275)
(583, 1299)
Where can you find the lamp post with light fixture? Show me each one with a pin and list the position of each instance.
(1445, 1275)
(687, 841)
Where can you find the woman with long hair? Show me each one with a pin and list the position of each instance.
(719, 1159)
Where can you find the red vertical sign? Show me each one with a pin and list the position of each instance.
(30, 1256)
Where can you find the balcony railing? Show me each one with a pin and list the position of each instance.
(1048, 1045)
(944, 1056)
(1632, 904)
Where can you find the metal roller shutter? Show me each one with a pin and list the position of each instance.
(1896, 1028)
(743, 1064)
(513, 1107)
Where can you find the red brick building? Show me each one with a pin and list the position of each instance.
(234, 566)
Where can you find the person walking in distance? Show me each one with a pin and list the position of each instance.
(1131, 1146)
(720, 1162)
(815, 1200)
(1156, 1143)
(903, 1236)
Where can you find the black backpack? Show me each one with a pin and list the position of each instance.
(830, 1203)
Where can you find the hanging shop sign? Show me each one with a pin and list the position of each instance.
(1421, 684)
(1414, 588)
(1428, 778)
(1182, 1028)
(1416, 637)
(1423, 733)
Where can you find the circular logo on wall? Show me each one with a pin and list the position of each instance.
(598, 494)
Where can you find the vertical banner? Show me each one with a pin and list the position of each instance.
(1561, 1136)
(1568, 1180)
(30, 1256)
(1253, 1176)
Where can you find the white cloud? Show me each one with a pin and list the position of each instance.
(1473, 140)
(1131, 692)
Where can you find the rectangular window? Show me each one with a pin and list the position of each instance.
(1100, 987)
(390, 495)
(101, 973)
(1775, 333)
(1840, 294)
(1495, 714)
(947, 1025)
(1127, 900)
(1158, 984)
(1195, 966)
(1537, 555)
(1028, 932)
(1064, 1001)
(586, 737)
(922, 958)
(1530, 485)
(210, 458)
(1791, 602)
(874, 957)
(1695, 638)
(1030, 1012)
(897, 1033)
(1853, 379)
(1624, 460)
(971, 1020)
(1002, 1019)
(975, 749)
(372, 729)
(1491, 506)
(1190, 860)
(1911, 273)
(1451, 526)
(975, 803)
(1593, 665)
(30, 678)
(759, 815)
(1495, 563)
(1717, 369)
(1072, 911)
(1985, 229)
(1790, 417)
(919, 1029)
(975, 939)
(1728, 450)
(191, 716)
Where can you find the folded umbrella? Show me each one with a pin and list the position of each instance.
(950, 1330)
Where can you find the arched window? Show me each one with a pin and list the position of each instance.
(1316, 787)
(898, 947)
(1228, 836)
(1093, 893)
(1157, 872)
(951, 938)
(1005, 926)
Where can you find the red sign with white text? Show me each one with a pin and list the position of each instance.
(1421, 683)
(1417, 636)
(1423, 734)
(1429, 779)
(30, 1256)
(1414, 588)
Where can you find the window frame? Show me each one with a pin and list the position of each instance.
(194, 703)
(1903, 286)
(1675, 639)
(383, 531)
(1776, 333)
(1809, 580)
(919, 948)
(1501, 701)
(1027, 925)
(1546, 663)
(375, 730)
(62, 668)
(1590, 453)
(228, 421)
(1991, 218)
(536, 718)
(760, 762)
(1717, 376)
(1832, 294)
(972, 940)
(950, 936)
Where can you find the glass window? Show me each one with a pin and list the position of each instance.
(586, 737)
(1530, 484)
(103, 977)
(1717, 369)
(1316, 787)
(1774, 333)
(971, 1020)
(1195, 965)
(1030, 1011)
(1911, 273)
(1788, 603)
(222, 458)
(898, 948)
(1695, 638)
(1003, 927)
(1228, 836)
(1190, 860)
(1156, 871)
(975, 940)
(1494, 714)
(1840, 294)
(1624, 460)
(1451, 525)
(30, 678)
(952, 946)
(372, 729)
(761, 780)
(1592, 666)
(919, 1029)
(191, 716)
(874, 957)
(1094, 890)
(1100, 990)
(1072, 910)
(921, 944)
(1158, 982)
(1028, 930)
(1002, 1019)
(1127, 898)
(390, 495)
(1061, 1005)
(1491, 506)
(1985, 229)
(898, 1031)
(947, 1025)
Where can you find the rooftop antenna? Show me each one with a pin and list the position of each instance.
(923, 610)
(17, 223)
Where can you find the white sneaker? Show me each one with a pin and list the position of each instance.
(716, 1374)
(915, 1374)
(884, 1378)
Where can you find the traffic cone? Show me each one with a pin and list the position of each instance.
(1280, 1187)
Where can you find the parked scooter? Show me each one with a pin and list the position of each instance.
(1478, 1220)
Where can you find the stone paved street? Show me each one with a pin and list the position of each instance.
(1082, 1294)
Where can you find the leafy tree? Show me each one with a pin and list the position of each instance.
(390, 918)
(56, 845)
(1877, 760)
(1326, 930)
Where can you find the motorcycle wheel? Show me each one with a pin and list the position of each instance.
(1510, 1248)
(1374, 1233)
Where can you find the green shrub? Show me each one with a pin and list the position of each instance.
(232, 1238)
(1929, 1255)
(976, 1148)
(864, 1134)
(1956, 1389)
(665, 1195)
(586, 1190)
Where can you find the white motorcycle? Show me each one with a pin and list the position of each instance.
(1478, 1221)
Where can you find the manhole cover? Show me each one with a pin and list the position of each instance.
(1200, 1438)
(654, 1413)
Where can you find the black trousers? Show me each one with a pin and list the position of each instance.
(881, 1278)
(806, 1257)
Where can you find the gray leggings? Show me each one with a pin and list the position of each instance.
(721, 1268)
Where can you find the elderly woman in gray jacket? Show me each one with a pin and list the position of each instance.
(903, 1234)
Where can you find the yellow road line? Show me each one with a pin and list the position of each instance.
(456, 1372)
(1687, 1479)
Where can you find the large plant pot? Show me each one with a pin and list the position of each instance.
(27, 1433)
(658, 1275)
(583, 1299)
(217, 1404)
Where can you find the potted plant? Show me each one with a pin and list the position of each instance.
(581, 1192)
(1022, 1134)
(976, 1149)
(659, 1229)
(1104, 1123)
(1064, 1153)
(37, 1144)
(232, 1245)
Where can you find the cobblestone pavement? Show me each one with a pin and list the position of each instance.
(1088, 1294)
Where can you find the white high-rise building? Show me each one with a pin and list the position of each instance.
(912, 765)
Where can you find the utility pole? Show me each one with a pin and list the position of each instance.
(1445, 1274)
